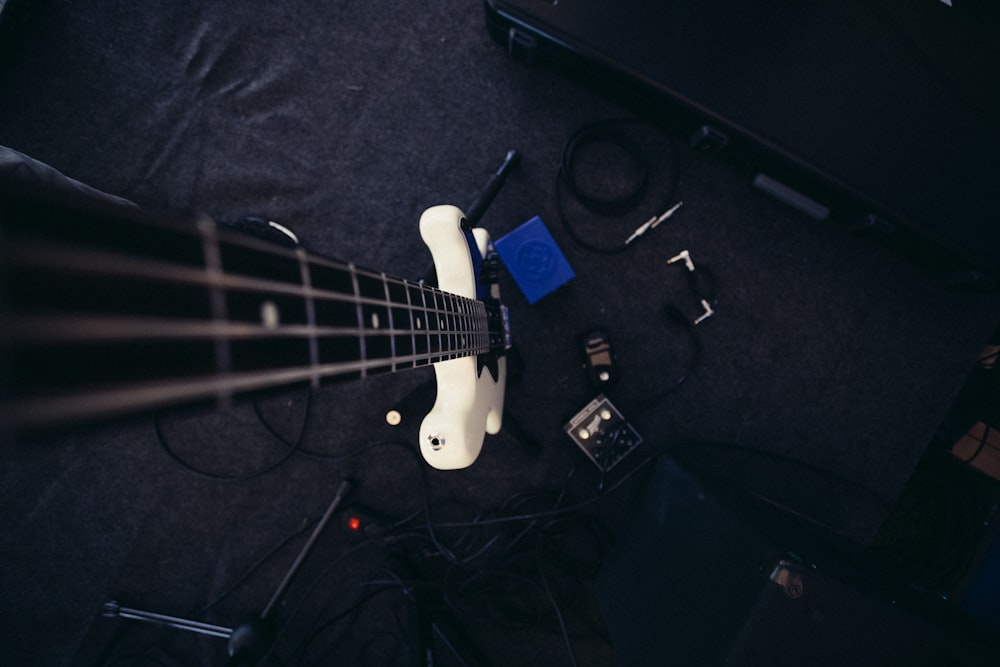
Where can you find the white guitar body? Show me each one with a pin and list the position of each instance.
(469, 404)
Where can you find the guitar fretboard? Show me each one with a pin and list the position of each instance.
(111, 310)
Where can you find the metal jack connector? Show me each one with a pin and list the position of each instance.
(652, 223)
(682, 256)
(705, 315)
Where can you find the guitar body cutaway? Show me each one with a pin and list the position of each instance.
(470, 398)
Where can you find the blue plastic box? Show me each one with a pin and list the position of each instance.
(534, 260)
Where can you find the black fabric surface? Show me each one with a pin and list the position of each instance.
(826, 368)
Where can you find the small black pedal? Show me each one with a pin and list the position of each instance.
(602, 432)
(598, 359)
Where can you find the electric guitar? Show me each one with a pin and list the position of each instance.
(106, 310)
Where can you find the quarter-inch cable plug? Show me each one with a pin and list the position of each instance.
(705, 315)
(653, 222)
(684, 256)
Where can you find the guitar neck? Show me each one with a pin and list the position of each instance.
(107, 311)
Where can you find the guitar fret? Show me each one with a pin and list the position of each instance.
(362, 343)
(455, 323)
(401, 314)
(310, 306)
(390, 323)
(217, 298)
(451, 307)
(443, 328)
(433, 321)
(420, 336)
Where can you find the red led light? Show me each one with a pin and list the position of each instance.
(354, 523)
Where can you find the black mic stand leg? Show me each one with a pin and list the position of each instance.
(249, 641)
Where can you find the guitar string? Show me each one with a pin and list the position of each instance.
(56, 258)
(129, 397)
(98, 327)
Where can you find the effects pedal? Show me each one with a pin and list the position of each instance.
(598, 359)
(602, 433)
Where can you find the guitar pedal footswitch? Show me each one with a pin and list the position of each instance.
(602, 433)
